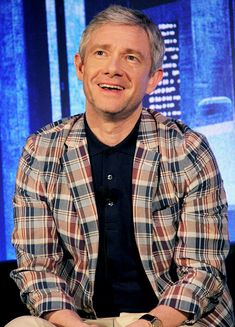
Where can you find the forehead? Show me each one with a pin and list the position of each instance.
(125, 36)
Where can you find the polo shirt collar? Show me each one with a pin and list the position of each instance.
(126, 146)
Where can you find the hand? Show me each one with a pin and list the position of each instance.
(66, 318)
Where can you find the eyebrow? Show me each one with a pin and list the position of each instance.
(108, 46)
(100, 46)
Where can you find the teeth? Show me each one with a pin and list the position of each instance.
(111, 87)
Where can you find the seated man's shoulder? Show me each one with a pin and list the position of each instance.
(53, 135)
(58, 127)
(173, 131)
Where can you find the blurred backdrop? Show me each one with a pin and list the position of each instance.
(38, 83)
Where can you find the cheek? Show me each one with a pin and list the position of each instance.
(90, 73)
(86, 86)
(143, 83)
(86, 80)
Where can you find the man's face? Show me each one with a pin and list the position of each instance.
(115, 70)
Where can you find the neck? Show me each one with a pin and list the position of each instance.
(111, 132)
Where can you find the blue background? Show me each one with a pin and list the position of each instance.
(38, 83)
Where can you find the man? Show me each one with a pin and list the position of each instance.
(120, 209)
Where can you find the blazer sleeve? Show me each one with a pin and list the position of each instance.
(35, 239)
(202, 236)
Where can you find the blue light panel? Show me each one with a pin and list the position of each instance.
(13, 110)
(53, 60)
(75, 24)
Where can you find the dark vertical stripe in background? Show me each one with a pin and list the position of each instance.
(62, 55)
(38, 75)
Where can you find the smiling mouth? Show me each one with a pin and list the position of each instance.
(111, 87)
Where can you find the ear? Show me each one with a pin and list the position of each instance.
(154, 80)
(79, 66)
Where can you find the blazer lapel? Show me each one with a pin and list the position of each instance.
(77, 166)
(144, 185)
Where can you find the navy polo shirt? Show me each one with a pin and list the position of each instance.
(121, 284)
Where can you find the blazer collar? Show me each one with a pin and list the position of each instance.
(77, 133)
(148, 131)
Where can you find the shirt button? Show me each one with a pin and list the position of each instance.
(110, 203)
(109, 177)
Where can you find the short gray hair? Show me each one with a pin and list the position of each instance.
(116, 14)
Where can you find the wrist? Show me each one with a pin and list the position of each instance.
(169, 316)
(152, 320)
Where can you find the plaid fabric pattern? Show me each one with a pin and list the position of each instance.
(179, 215)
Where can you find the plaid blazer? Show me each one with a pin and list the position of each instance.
(179, 216)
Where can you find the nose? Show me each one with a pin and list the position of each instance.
(113, 66)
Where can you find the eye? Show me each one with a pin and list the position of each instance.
(99, 53)
(132, 58)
